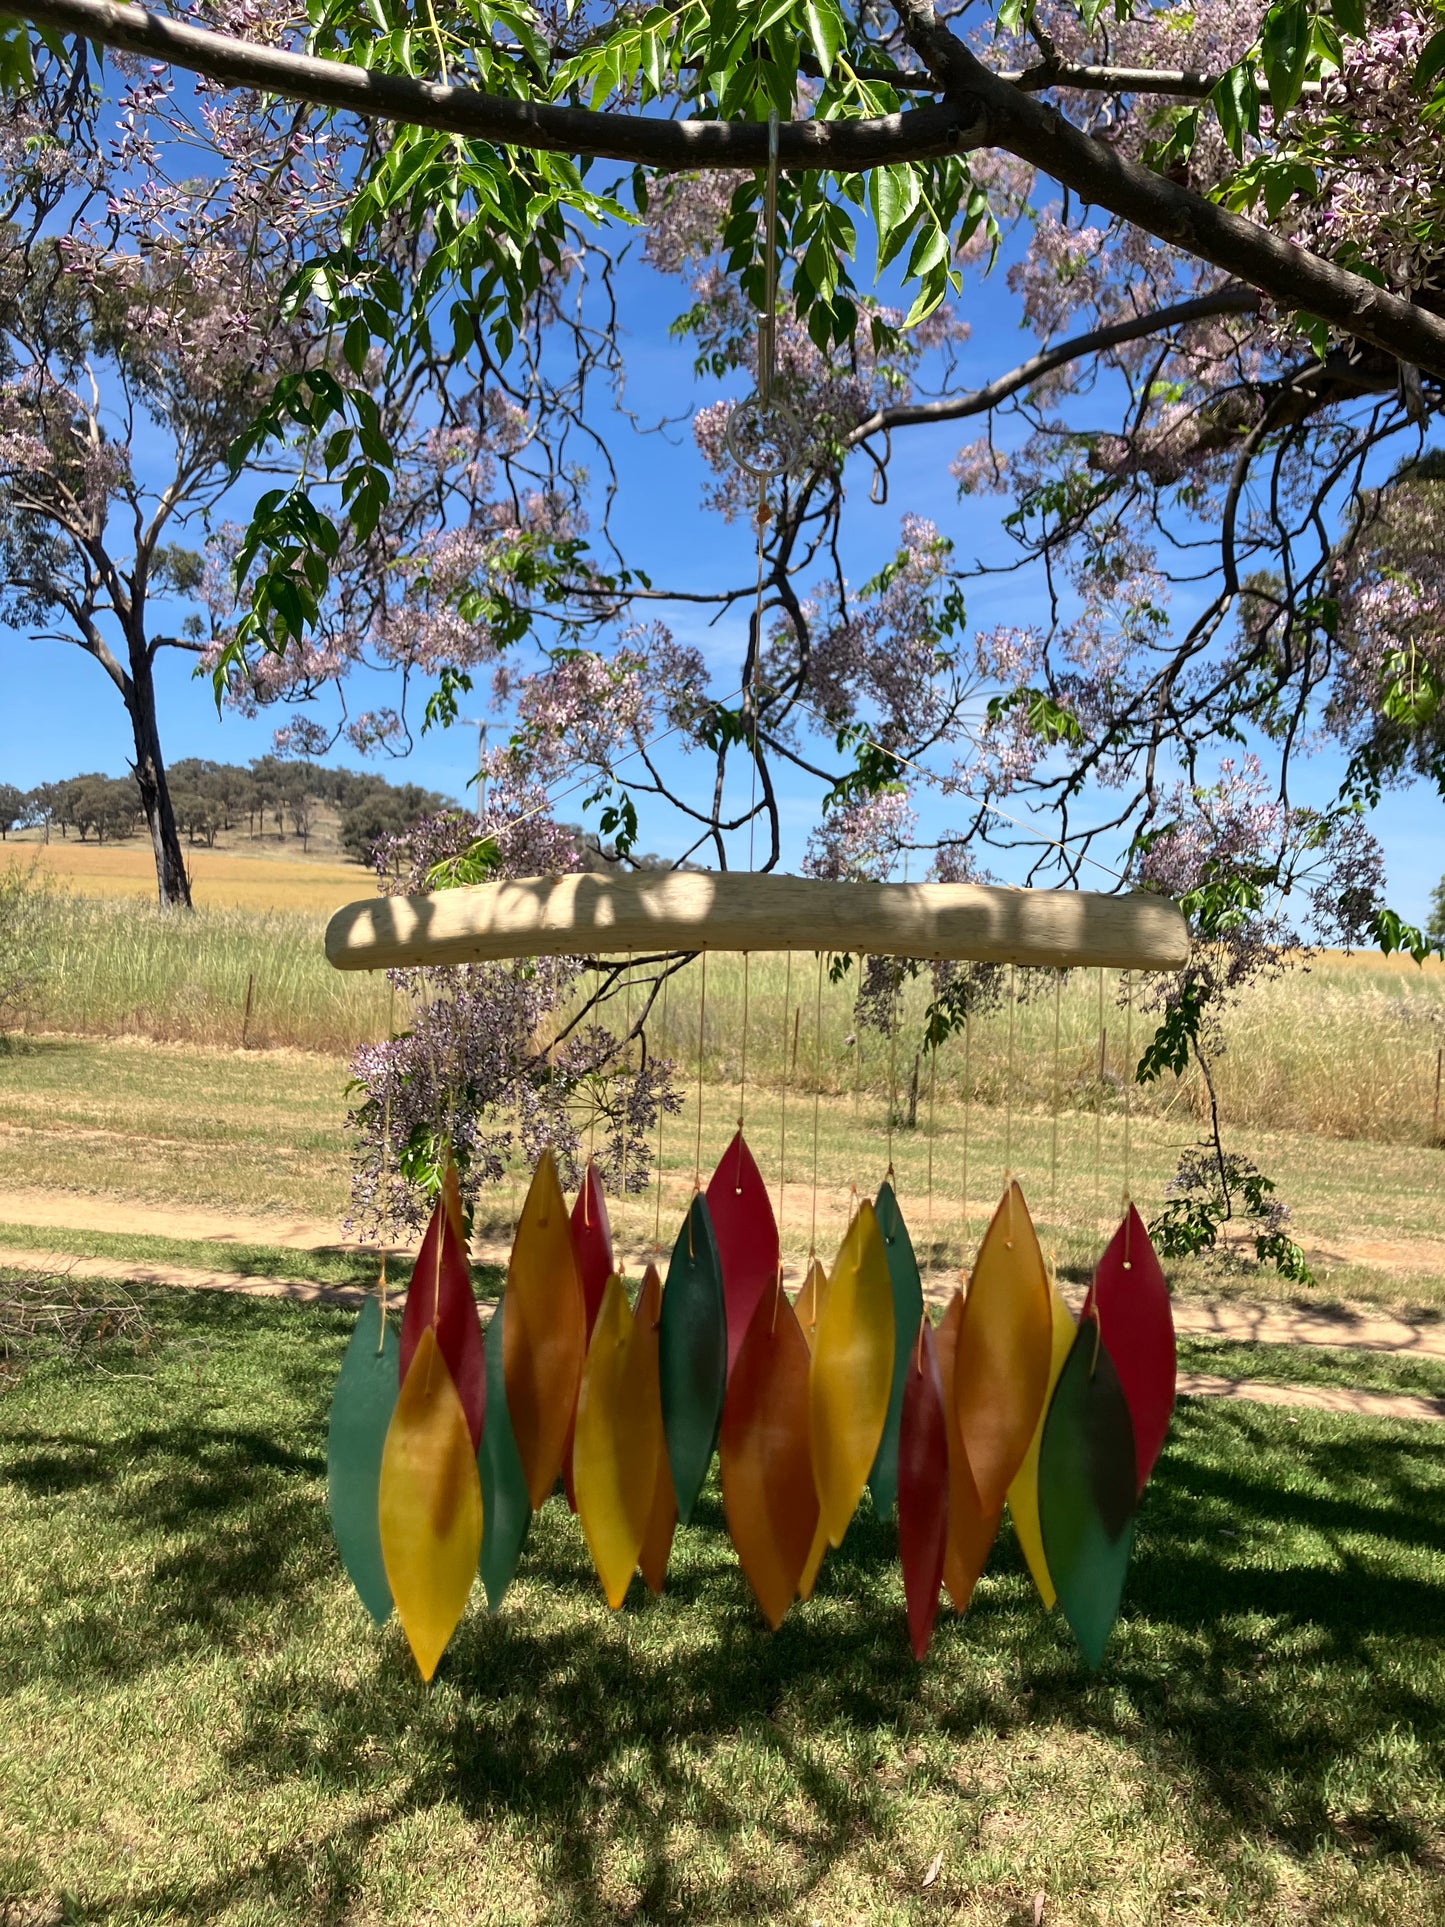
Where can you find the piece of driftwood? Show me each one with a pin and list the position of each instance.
(670, 910)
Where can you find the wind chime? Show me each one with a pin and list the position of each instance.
(445, 1440)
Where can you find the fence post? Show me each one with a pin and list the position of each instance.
(1439, 1065)
(246, 1015)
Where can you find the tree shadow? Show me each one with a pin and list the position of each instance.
(1283, 1620)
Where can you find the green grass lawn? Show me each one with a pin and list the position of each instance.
(343, 1266)
(197, 1723)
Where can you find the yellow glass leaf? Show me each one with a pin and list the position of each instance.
(1023, 1494)
(544, 1334)
(429, 1505)
(614, 1464)
(852, 1373)
(813, 1562)
(809, 1301)
(1005, 1342)
(809, 1306)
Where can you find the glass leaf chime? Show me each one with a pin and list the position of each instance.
(444, 1443)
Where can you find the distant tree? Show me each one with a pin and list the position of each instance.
(107, 805)
(385, 814)
(1436, 931)
(14, 809)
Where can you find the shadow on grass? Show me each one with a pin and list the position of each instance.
(1284, 1624)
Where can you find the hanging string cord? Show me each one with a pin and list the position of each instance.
(386, 1223)
(626, 1121)
(697, 1148)
(743, 1069)
(1099, 1110)
(892, 1067)
(783, 1118)
(817, 1100)
(932, 1090)
(1008, 1129)
(967, 1114)
(1054, 1131)
(1128, 1104)
(661, 1113)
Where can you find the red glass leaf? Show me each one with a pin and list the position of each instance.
(1136, 1321)
(440, 1299)
(767, 1466)
(592, 1241)
(972, 1528)
(747, 1238)
(922, 1488)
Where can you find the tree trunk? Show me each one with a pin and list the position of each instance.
(173, 886)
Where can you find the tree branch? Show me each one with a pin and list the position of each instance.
(1231, 300)
(979, 110)
(844, 146)
(1103, 177)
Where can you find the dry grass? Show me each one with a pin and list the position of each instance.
(123, 968)
(272, 879)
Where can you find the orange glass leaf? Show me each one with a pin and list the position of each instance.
(614, 1457)
(1131, 1300)
(1023, 1494)
(852, 1373)
(971, 1529)
(922, 1488)
(809, 1302)
(440, 1297)
(429, 1506)
(662, 1514)
(767, 1470)
(747, 1238)
(544, 1334)
(1005, 1342)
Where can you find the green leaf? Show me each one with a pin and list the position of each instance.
(894, 192)
(827, 32)
(1349, 16)
(1431, 63)
(1236, 101)
(1284, 47)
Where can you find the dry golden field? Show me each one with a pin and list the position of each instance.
(234, 879)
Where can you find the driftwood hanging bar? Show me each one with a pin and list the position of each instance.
(724, 910)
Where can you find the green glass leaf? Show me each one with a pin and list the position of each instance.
(361, 1409)
(907, 1312)
(1087, 1491)
(692, 1355)
(506, 1513)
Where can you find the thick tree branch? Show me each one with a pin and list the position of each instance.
(1103, 177)
(980, 110)
(948, 408)
(847, 146)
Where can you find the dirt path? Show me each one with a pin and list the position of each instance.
(1362, 1328)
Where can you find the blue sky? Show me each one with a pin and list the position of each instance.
(61, 715)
